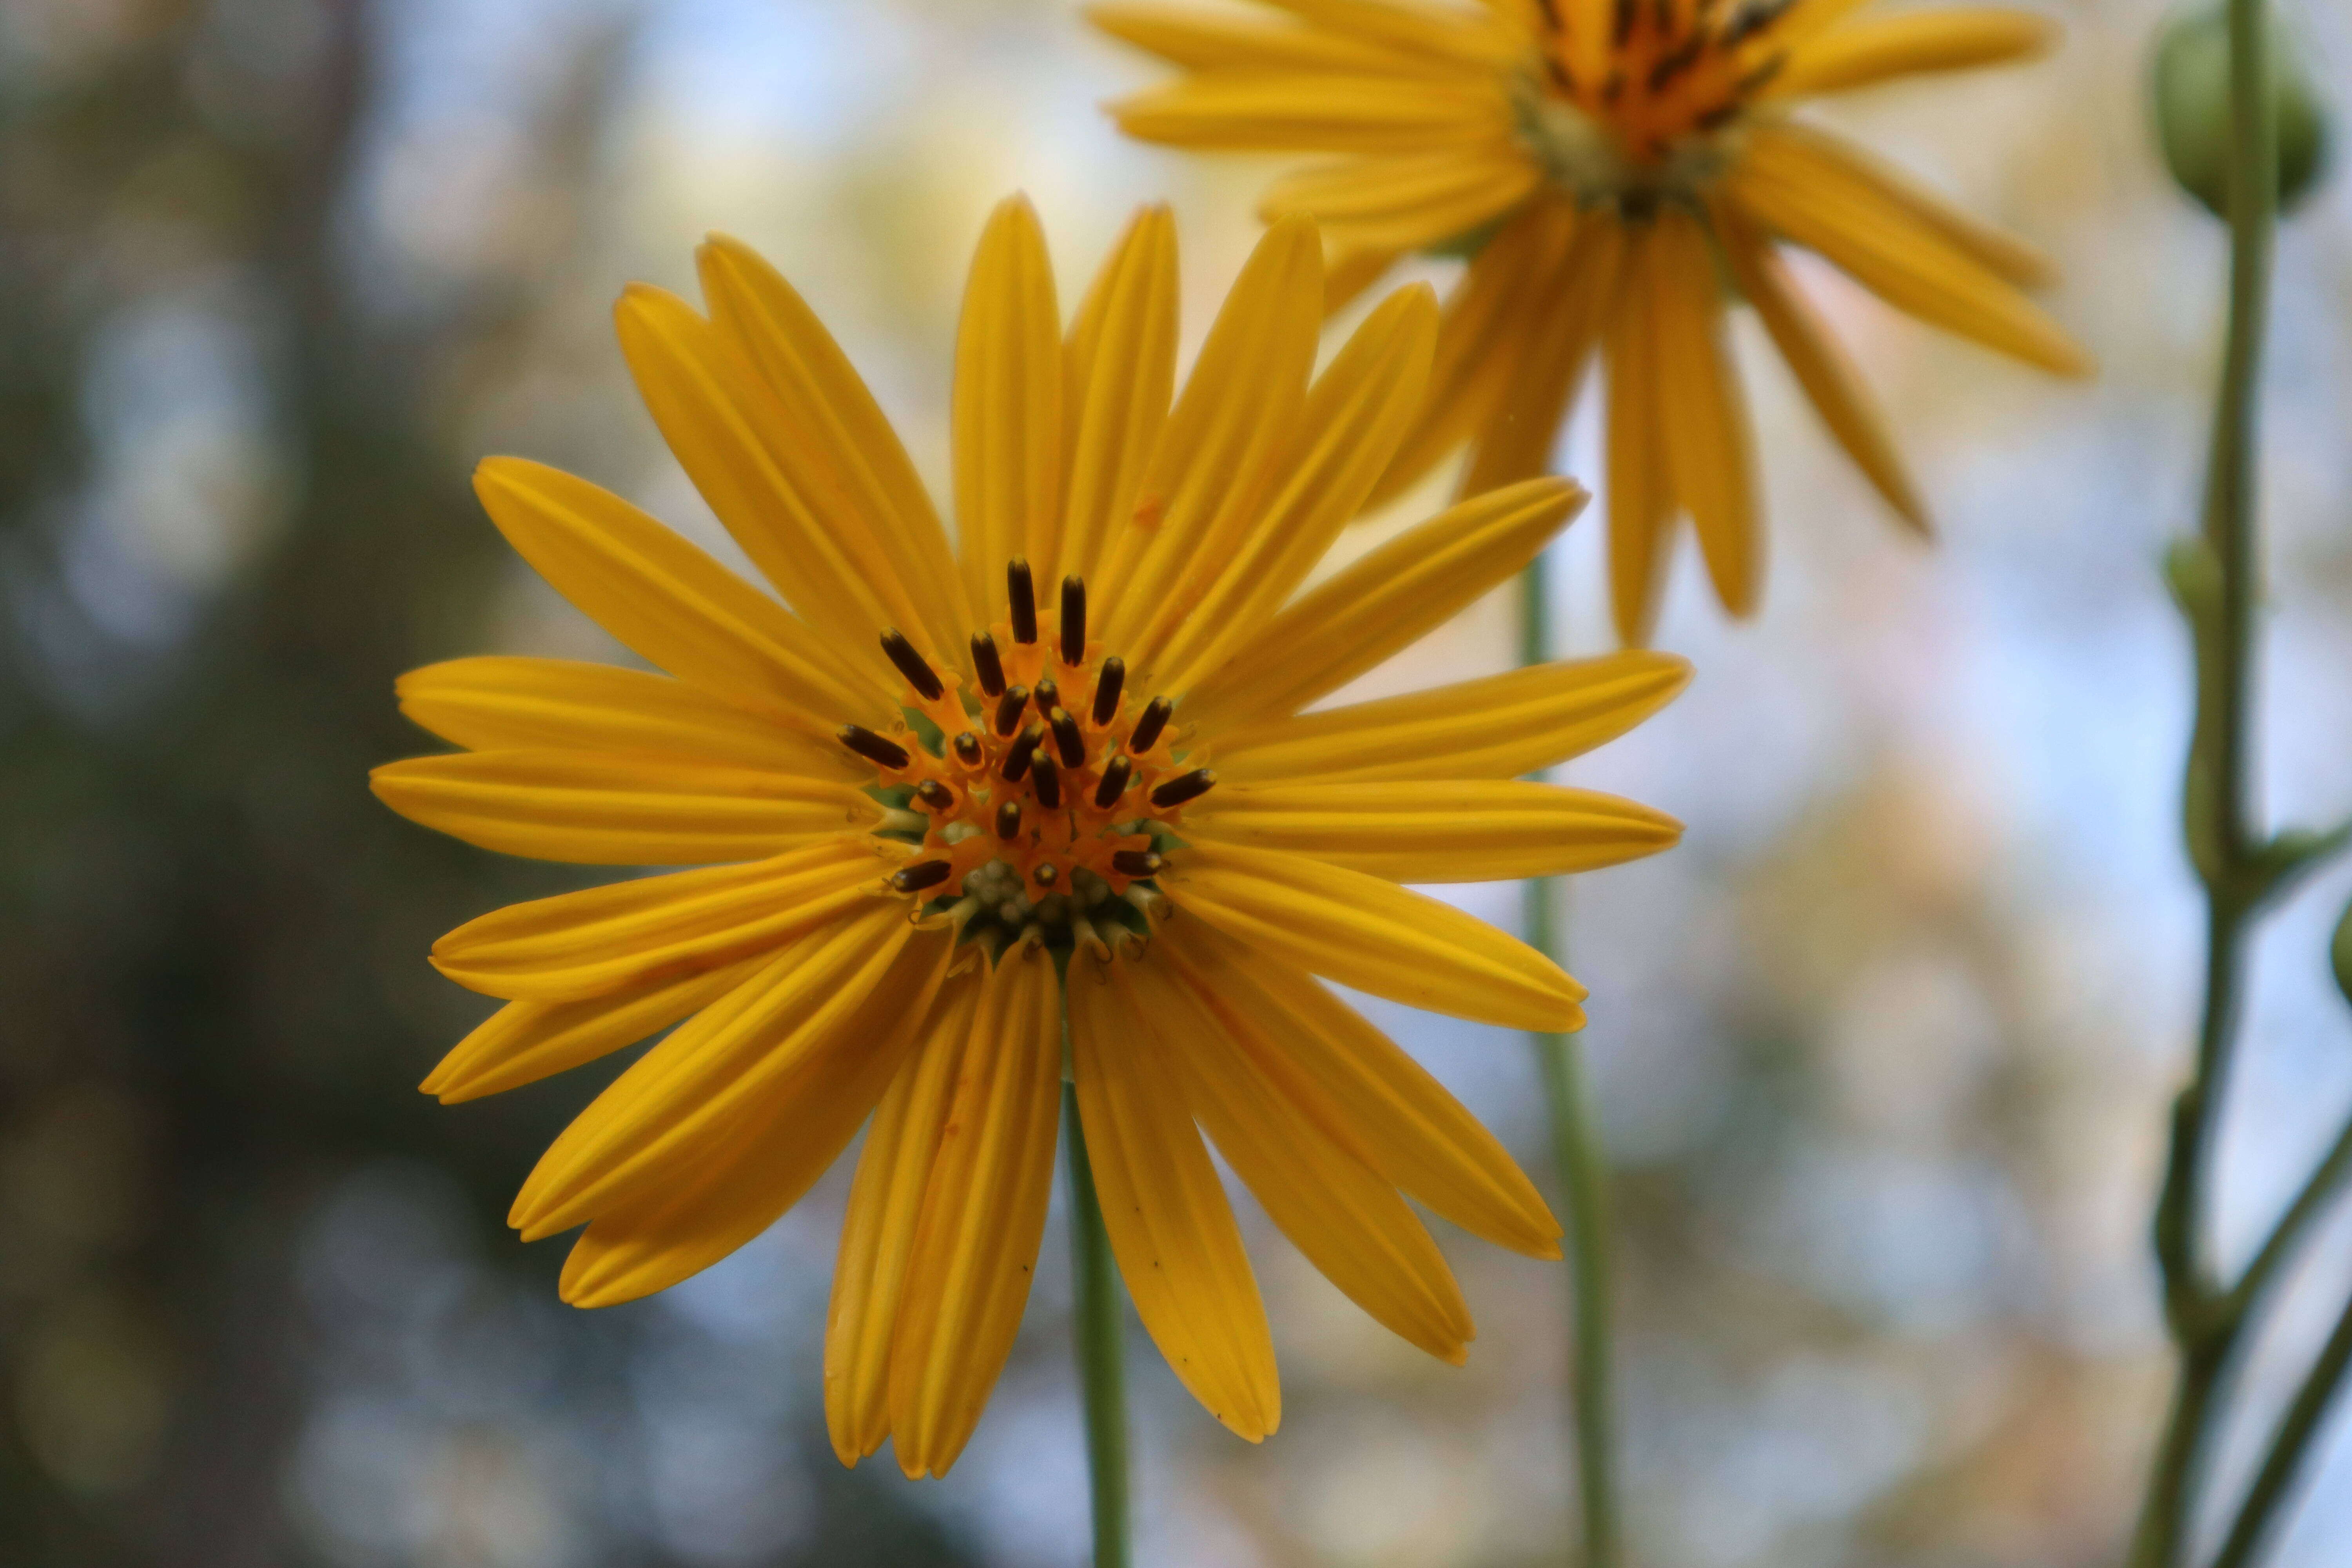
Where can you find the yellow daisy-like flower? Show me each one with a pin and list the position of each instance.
(936, 808)
(1616, 163)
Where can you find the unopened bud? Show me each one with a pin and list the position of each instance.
(2192, 110)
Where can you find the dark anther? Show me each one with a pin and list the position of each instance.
(1184, 787)
(921, 875)
(967, 750)
(1148, 728)
(990, 668)
(1108, 686)
(1048, 780)
(1046, 874)
(1073, 620)
(1016, 760)
(1066, 739)
(1137, 863)
(1673, 65)
(920, 676)
(872, 747)
(1047, 693)
(1114, 781)
(1008, 820)
(1023, 594)
(1008, 709)
(1622, 24)
(935, 794)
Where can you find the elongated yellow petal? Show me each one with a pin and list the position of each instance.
(792, 1031)
(1170, 1228)
(1408, 202)
(1498, 727)
(765, 469)
(523, 1042)
(1428, 831)
(1350, 1223)
(1641, 493)
(1519, 430)
(1007, 413)
(1818, 364)
(1785, 182)
(735, 1183)
(1369, 933)
(1383, 1103)
(1989, 246)
(1356, 411)
(1385, 601)
(1446, 34)
(1879, 48)
(983, 1214)
(650, 929)
(1187, 35)
(614, 808)
(841, 438)
(1120, 375)
(1709, 450)
(877, 1234)
(670, 602)
(505, 703)
(1298, 112)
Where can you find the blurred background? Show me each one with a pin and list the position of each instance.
(1882, 1050)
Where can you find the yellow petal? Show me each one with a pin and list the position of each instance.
(731, 1186)
(1170, 1228)
(1119, 372)
(1255, 1104)
(1879, 48)
(1786, 182)
(842, 439)
(764, 470)
(652, 929)
(1300, 112)
(1498, 727)
(1426, 831)
(1412, 201)
(616, 808)
(1709, 450)
(506, 703)
(1518, 431)
(1187, 35)
(1818, 364)
(1369, 933)
(1385, 601)
(795, 1032)
(984, 1213)
(1387, 1107)
(877, 1234)
(669, 601)
(525, 1041)
(1641, 493)
(1436, 33)
(1007, 413)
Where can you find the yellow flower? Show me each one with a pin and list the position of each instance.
(927, 790)
(1615, 162)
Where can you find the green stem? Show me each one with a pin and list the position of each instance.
(1583, 1179)
(2288, 1444)
(1102, 1370)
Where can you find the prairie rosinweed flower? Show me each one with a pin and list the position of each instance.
(947, 795)
(1621, 169)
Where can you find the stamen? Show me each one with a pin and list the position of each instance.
(1008, 710)
(1621, 25)
(924, 874)
(935, 794)
(1674, 63)
(1066, 739)
(967, 750)
(1023, 594)
(1008, 820)
(1046, 874)
(1137, 863)
(989, 666)
(1184, 787)
(1048, 694)
(872, 747)
(1114, 781)
(919, 675)
(1148, 728)
(1016, 760)
(1073, 620)
(1108, 686)
(1048, 782)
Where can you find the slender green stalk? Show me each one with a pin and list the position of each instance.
(1583, 1180)
(1102, 1370)
(2251, 1531)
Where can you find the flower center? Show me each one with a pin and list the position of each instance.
(1042, 799)
(1639, 117)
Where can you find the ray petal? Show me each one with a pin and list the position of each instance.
(1641, 494)
(1120, 374)
(1522, 427)
(1709, 450)
(1300, 112)
(1880, 48)
(1409, 202)
(1007, 413)
(1425, 831)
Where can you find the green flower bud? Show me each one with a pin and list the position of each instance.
(2192, 110)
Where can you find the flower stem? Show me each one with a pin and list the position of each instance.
(1583, 1180)
(1102, 1370)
